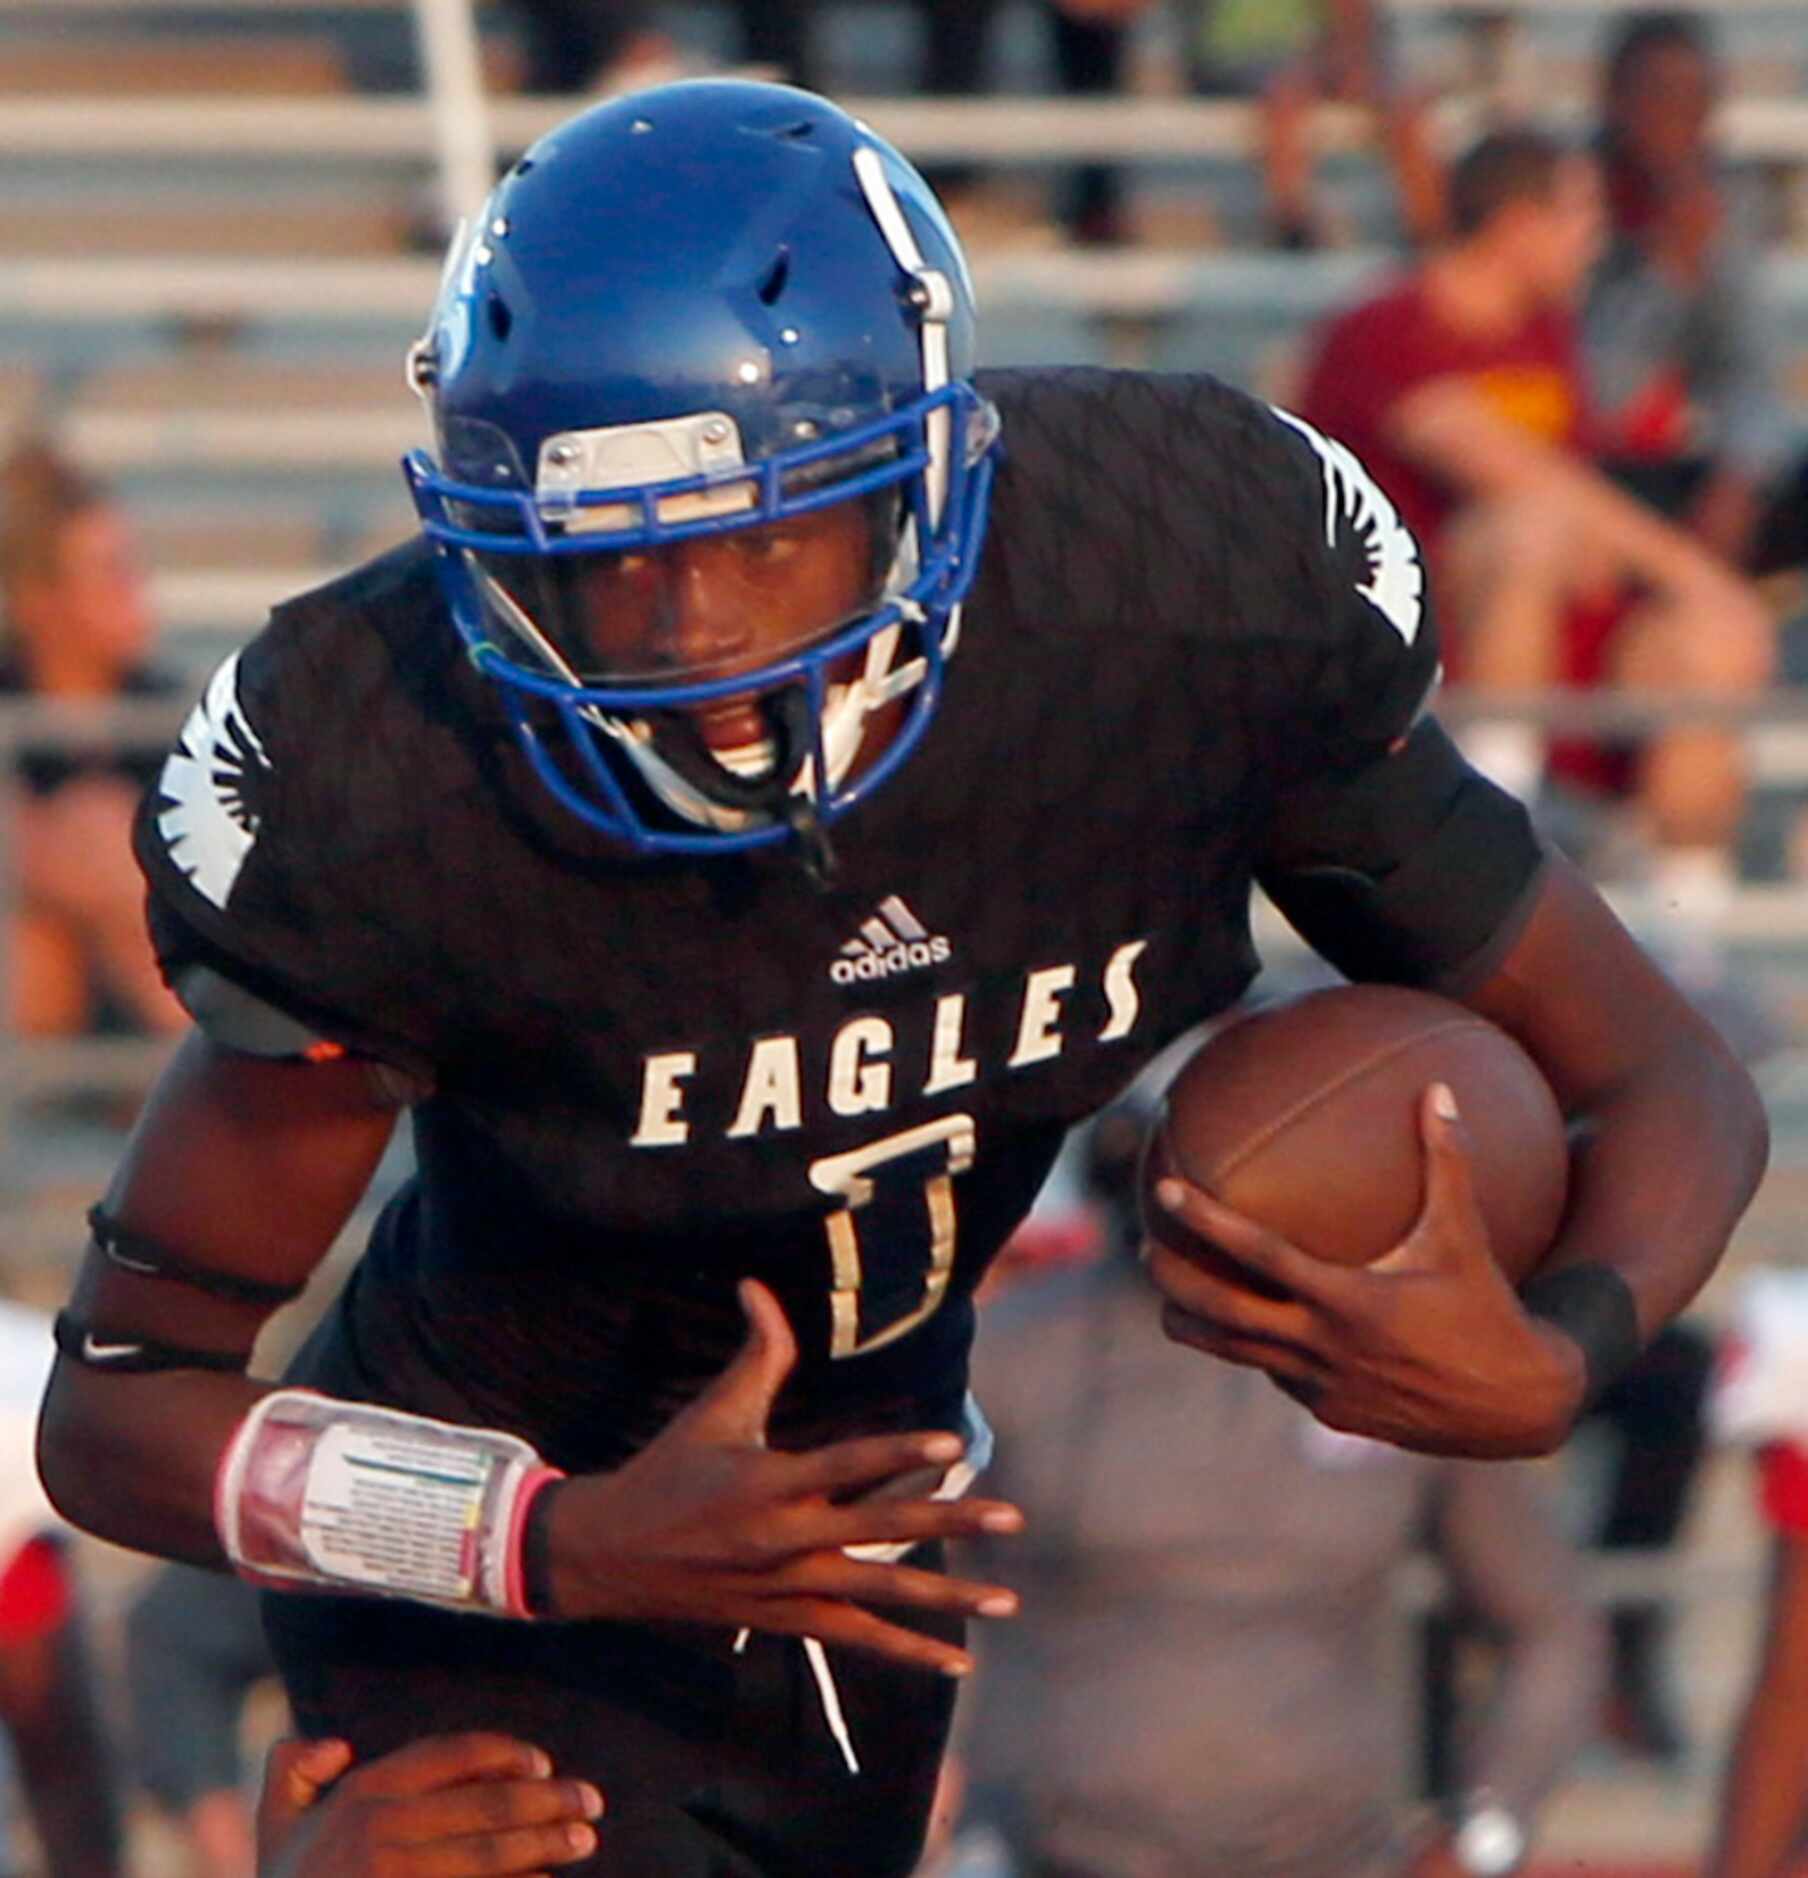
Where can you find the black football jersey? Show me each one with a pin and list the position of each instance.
(1197, 633)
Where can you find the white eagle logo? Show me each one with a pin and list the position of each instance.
(213, 787)
(1395, 582)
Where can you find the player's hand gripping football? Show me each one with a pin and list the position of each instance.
(449, 1806)
(707, 1524)
(1428, 1347)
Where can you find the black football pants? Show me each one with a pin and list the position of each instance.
(713, 1764)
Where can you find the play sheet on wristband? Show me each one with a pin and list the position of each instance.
(395, 1511)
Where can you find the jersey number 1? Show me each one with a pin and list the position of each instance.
(891, 1241)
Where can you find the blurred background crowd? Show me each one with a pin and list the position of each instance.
(1544, 265)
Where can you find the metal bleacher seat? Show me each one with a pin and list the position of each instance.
(90, 65)
(199, 223)
(211, 406)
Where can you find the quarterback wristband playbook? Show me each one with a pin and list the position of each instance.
(1593, 1306)
(315, 1494)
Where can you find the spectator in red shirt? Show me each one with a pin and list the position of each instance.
(1489, 319)
(1462, 388)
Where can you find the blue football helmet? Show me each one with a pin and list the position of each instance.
(702, 309)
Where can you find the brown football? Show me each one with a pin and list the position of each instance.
(1305, 1116)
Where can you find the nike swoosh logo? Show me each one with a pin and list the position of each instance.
(96, 1352)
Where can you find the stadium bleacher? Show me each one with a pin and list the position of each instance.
(216, 238)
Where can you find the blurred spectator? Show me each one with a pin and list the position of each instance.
(1199, 1680)
(1654, 1417)
(616, 45)
(1680, 354)
(1655, 1413)
(779, 34)
(47, 1699)
(1091, 42)
(194, 1651)
(1292, 56)
(77, 624)
(1462, 389)
(1762, 1402)
(569, 45)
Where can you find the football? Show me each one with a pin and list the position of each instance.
(1304, 1116)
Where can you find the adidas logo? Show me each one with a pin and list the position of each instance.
(894, 940)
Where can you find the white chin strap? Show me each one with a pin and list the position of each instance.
(634, 738)
(844, 716)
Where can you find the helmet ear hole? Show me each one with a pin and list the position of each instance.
(502, 321)
(776, 276)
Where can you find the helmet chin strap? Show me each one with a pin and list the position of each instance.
(678, 747)
(693, 780)
(737, 789)
(677, 742)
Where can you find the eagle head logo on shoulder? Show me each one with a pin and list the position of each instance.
(1356, 510)
(213, 789)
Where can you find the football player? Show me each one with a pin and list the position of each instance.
(744, 881)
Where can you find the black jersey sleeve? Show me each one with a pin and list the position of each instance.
(1410, 868)
(1375, 636)
(1391, 855)
(231, 933)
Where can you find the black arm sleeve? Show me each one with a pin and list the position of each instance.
(240, 1009)
(1411, 868)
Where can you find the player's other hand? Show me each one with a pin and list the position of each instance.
(707, 1524)
(1428, 1347)
(449, 1806)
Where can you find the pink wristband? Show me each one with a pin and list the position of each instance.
(515, 1571)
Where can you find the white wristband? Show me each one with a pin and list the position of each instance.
(321, 1495)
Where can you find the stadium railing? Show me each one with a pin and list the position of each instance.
(996, 130)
